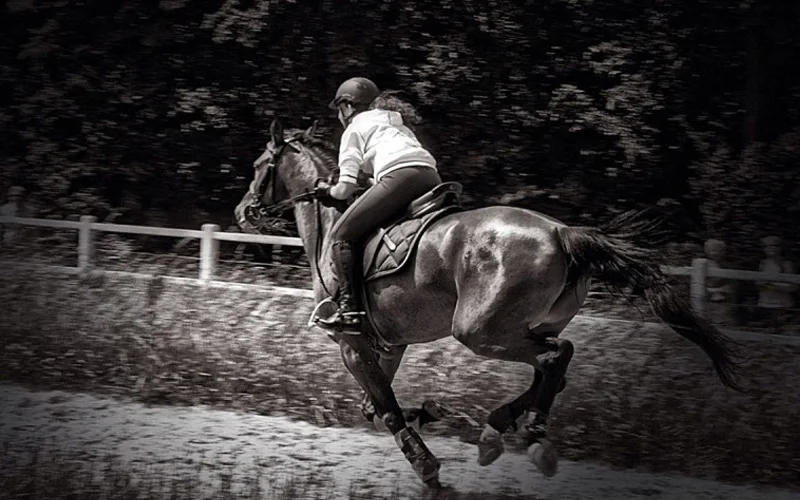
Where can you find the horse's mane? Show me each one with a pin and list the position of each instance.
(325, 150)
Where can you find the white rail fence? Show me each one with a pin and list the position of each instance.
(211, 234)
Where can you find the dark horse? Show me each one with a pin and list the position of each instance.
(503, 281)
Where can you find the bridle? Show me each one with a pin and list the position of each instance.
(282, 206)
(260, 212)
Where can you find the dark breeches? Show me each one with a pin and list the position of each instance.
(383, 201)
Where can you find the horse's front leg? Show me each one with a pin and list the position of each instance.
(362, 362)
(389, 362)
(430, 411)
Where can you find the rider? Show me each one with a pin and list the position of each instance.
(377, 141)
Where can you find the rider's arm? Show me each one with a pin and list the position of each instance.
(351, 157)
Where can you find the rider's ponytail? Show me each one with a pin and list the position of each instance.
(389, 102)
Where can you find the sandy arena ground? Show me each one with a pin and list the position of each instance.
(168, 440)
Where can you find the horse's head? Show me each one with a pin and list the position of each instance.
(285, 173)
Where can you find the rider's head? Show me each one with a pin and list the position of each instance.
(353, 97)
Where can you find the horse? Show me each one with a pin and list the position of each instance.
(501, 280)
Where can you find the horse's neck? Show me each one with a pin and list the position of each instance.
(310, 229)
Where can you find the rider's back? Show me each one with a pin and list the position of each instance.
(378, 140)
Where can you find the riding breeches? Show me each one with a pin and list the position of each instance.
(383, 201)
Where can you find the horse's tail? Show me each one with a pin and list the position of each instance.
(616, 255)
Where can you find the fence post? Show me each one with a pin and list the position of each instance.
(698, 286)
(86, 243)
(209, 252)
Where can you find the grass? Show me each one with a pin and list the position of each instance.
(638, 396)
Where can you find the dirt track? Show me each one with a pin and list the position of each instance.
(169, 440)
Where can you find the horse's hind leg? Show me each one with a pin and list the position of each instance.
(508, 314)
(552, 357)
(534, 431)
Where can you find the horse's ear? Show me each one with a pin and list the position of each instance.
(276, 132)
(311, 131)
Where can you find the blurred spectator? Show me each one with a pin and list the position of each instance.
(719, 291)
(775, 298)
(682, 254)
(15, 207)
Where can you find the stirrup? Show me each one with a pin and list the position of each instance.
(352, 318)
(349, 322)
(314, 318)
(348, 318)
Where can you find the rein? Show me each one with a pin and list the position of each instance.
(318, 246)
(282, 206)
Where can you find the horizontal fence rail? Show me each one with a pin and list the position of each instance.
(28, 221)
(211, 234)
(259, 238)
(145, 230)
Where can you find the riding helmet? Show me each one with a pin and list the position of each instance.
(356, 90)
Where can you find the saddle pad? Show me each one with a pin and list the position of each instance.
(388, 250)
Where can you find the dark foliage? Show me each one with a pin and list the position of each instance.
(153, 112)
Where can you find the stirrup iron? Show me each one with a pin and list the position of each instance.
(331, 323)
(312, 321)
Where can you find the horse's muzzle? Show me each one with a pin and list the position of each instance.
(244, 217)
(251, 218)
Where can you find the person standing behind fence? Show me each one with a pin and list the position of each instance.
(775, 298)
(720, 291)
(14, 207)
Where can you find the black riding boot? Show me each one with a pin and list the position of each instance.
(349, 313)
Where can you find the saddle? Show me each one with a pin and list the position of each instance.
(389, 249)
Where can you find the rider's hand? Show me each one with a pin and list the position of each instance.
(322, 191)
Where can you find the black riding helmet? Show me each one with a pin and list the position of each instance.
(355, 91)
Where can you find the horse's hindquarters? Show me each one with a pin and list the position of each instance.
(511, 273)
(498, 270)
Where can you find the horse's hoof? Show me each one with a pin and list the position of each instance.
(490, 445)
(379, 424)
(439, 411)
(367, 409)
(544, 455)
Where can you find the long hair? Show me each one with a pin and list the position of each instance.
(388, 101)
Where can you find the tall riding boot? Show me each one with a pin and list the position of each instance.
(349, 314)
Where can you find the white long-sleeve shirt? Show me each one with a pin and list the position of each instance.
(377, 142)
